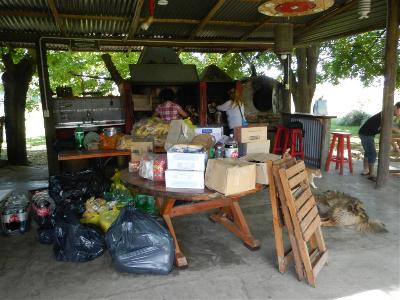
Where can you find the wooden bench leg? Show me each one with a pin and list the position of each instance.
(239, 226)
(180, 259)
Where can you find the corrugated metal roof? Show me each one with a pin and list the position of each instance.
(346, 23)
(234, 21)
(213, 32)
(23, 4)
(85, 26)
(188, 9)
(168, 30)
(15, 23)
(234, 10)
(123, 8)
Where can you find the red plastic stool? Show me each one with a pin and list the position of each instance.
(339, 158)
(296, 142)
(281, 131)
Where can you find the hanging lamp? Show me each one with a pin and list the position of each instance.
(294, 8)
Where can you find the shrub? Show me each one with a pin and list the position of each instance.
(353, 118)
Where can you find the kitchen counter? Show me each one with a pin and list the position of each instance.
(90, 125)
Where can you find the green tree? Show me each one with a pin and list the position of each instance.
(360, 56)
(18, 67)
(85, 72)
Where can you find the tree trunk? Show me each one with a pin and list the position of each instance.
(16, 79)
(303, 82)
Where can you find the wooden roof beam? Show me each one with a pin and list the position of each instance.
(207, 18)
(24, 13)
(250, 32)
(56, 16)
(137, 42)
(135, 19)
(37, 14)
(310, 25)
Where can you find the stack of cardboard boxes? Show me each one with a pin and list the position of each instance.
(252, 139)
(254, 147)
(185, 170)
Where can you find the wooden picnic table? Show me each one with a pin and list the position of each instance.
(229, 213)
(83, 154)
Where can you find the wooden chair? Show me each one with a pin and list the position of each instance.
(305, 219)
(281, 218)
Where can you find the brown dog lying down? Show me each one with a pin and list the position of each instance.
(336, 208)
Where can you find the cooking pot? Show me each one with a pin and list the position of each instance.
(110, 131)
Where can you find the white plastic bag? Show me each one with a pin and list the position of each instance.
(320, 107)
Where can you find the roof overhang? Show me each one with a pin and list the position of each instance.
(214, 26)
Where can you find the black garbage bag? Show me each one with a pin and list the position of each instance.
(77, 187)
(46, 236)
(76, 242)
(140, 244)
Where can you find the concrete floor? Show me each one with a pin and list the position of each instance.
(220, 267)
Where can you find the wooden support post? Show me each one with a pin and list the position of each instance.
(392, 37)
(203, 103)
(47, 107)
(126, 96)
(286, 81)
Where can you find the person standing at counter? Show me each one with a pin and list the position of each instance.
(168, 110)
(367, 133)
(234, 109)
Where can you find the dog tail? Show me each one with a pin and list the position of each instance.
(370, 226)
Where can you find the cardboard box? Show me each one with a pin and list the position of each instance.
(178, 133)
(260, 161)
(251, 133)
(142, 102)
(230, 176)
(216, 132)
(256, 147)
(139, 148)
(187, 161)
(184, 179)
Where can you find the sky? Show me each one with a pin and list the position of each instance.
(348, 95)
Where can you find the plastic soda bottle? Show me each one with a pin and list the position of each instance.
(219, 150)
(231, 148)
(79, 136)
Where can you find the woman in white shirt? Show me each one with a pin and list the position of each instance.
(234, 109)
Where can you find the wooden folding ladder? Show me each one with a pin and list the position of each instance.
(305, 219)
(281, 218)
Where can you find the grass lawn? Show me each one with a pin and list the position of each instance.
(344, 128)
(36, 141)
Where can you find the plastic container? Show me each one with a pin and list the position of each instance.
(15, 214)
(79, 137)
(43, 206)
(146, 204)
(219, 150)
(231, 148)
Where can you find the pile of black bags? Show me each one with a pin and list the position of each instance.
(76, 242)
(138, 243)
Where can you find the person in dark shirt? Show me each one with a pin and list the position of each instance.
(367, 133)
